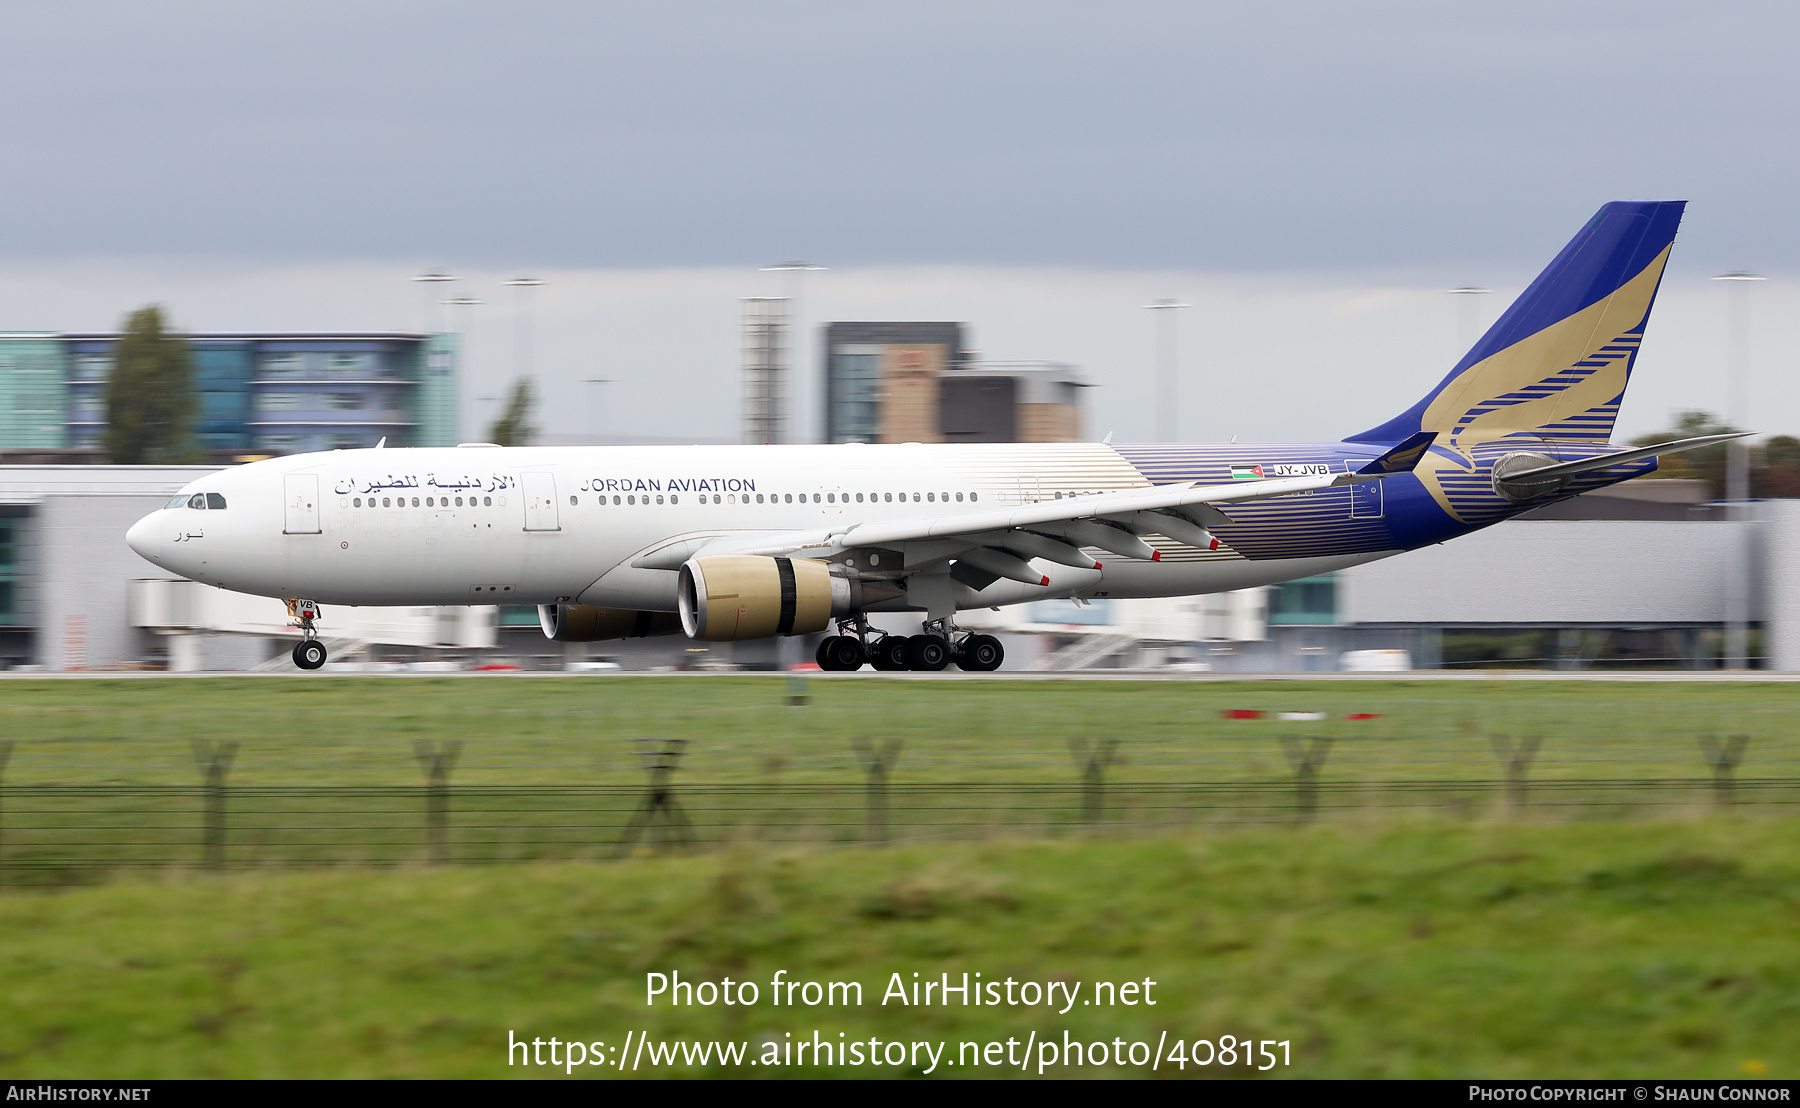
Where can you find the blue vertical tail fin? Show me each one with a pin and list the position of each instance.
(1555, 365)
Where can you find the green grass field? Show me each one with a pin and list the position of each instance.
(103, 774)
(323, 731)
(1452, 937)
(1421, 949)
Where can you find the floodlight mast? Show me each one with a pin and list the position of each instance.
(794, 273)
(426, 280)
(1167, 423)
(1468, 322)
(599, 424)
(524, 324)
(1737, 466)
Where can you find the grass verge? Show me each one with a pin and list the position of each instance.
(1401, 949)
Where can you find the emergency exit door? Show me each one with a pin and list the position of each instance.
(539, 488)
(300, 504)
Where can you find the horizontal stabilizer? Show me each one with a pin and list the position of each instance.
(1402, 458)
(1585, 465)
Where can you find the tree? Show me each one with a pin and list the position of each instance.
(1707, 463)
(150, 403)
(1775, 467)
(514, 427)
(1774, 464)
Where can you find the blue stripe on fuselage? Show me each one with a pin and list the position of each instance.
(1321, 523)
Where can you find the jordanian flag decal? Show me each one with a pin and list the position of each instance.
(1246, 473)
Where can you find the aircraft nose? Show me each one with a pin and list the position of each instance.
(145, 539)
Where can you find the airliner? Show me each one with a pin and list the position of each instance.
(725, 543)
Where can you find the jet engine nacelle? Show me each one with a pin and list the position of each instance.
(1525, 489)
(727, 597)
(586, 623)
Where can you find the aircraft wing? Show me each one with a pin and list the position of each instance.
(1000, 542)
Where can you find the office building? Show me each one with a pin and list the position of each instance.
(259, 394)
(917, 382)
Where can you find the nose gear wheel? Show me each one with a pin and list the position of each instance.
(309, 654)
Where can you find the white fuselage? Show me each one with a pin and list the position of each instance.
(541, 525)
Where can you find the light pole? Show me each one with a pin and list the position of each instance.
(1167, 425)
(1468, 316)
(468, 304)
(426, 280)
(1737, 466)
(486, 432)
(794, 274)
(465, 302)
(523, 322)
(599, 425)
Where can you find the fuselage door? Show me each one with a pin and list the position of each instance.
(300, 504)
(1365, 498)
(540, 501)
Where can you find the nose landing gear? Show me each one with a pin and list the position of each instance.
(309, 652)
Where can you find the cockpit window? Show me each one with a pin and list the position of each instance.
(214, 501)
(198, 500)
(177, 502)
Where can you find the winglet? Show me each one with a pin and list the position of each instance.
(1401, 458)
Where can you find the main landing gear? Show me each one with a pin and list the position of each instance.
(940, 644)
(309, 652)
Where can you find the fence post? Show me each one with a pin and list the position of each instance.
(1517, 758)
(876, 761)
(1723, 758)
(437, 759)
(1306, 762)
(214, 760)
(1093, 761)
(658, 813)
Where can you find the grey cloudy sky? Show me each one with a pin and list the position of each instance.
(1311, 176)
(1206, 136)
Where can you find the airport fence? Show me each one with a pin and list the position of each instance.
(53, 833)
